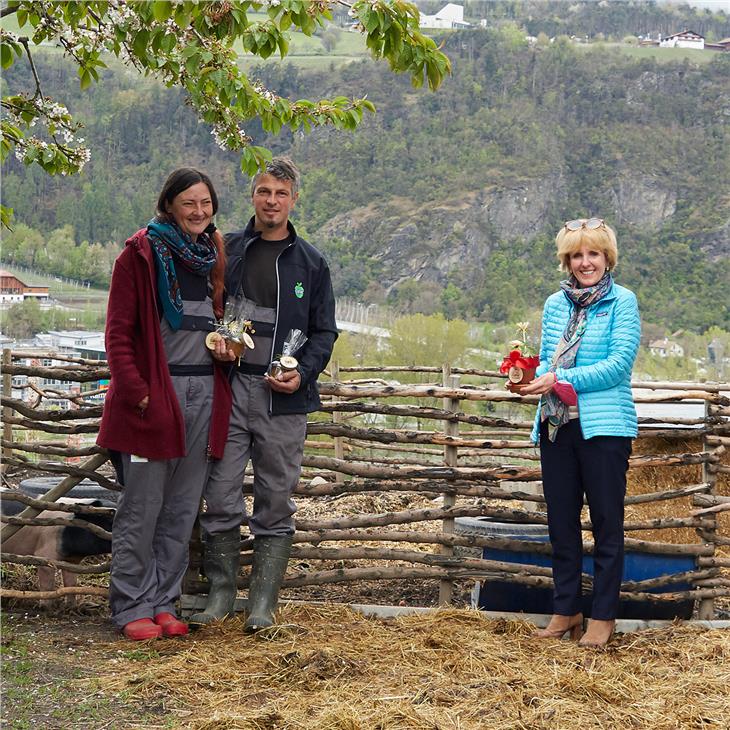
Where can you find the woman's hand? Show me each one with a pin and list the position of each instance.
(539, 386)
(142, 405)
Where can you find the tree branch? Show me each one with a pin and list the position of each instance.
(23, 40)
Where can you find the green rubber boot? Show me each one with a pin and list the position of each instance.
(270, 558)
(221, 556)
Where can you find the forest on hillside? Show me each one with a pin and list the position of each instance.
(588, 18)
(564, 120)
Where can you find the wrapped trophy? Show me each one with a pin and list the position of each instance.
(235, 328)
(286, 362)
(521, 363)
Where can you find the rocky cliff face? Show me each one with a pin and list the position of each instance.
(716, 244)
(641, 199)
(429, 242)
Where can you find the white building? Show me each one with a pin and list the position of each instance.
(450, 16)
(666, 348)
(685, 39)
(40, 353)
(79, 341)
(14, 291)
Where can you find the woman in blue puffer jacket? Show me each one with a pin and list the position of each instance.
(585, 423)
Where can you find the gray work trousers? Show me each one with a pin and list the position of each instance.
(156, 512)
(275, 445)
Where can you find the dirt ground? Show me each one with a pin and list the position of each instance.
(68, 668)
(328, 668)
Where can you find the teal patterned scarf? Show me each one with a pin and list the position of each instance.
(551, 407)
(197, 256)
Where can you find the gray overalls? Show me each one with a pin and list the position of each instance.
(274, 444)
(160, 500)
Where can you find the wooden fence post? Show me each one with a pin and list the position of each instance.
(7, 411)
(451, 457)
(337, 418)
(706, 609)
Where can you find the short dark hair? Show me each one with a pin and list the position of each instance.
(282, 168)
(180, 180)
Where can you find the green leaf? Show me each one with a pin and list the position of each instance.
(85, 78)
(6, 56)
(192, 64)
(156, 39)
(354, 117)
(283, 46)
(182, 15)
(6, 215)
(162, 9)
(139, 44)
(371, 22)
(31, 154)
(168, 42)
(249, 165)
(262, 155)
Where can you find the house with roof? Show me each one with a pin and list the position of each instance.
(85, 343)
(14, 291)
(666, 348)
(683, 39)
(723, 45)
(450, 16)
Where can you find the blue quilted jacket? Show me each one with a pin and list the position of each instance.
(601, 375)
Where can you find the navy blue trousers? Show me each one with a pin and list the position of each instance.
(571, 467)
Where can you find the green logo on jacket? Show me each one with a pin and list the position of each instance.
(299, 290)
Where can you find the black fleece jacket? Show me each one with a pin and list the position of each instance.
(305, 302)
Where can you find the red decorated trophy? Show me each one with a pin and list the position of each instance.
(521, 363)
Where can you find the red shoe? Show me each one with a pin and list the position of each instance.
(142, 629)
(170, 625)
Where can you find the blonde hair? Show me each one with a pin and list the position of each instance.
(601, 239)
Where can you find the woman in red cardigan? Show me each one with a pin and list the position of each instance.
(159, 421)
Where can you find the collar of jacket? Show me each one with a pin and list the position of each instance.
(141, 245)
(610, 294)
(143, 248)
(250, 234)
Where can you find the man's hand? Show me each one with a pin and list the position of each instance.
(287, 382)
(222, 352)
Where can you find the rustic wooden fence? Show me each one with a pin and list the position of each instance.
(461, 437)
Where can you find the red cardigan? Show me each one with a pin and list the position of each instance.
(138, 365)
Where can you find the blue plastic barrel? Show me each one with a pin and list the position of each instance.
(511, 597)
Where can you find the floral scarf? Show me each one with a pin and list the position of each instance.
(551, 407)
(197, 256)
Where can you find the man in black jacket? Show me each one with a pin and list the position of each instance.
(282, 283)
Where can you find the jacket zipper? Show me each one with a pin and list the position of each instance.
(276, 322)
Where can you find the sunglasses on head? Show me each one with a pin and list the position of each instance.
(590, 223)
